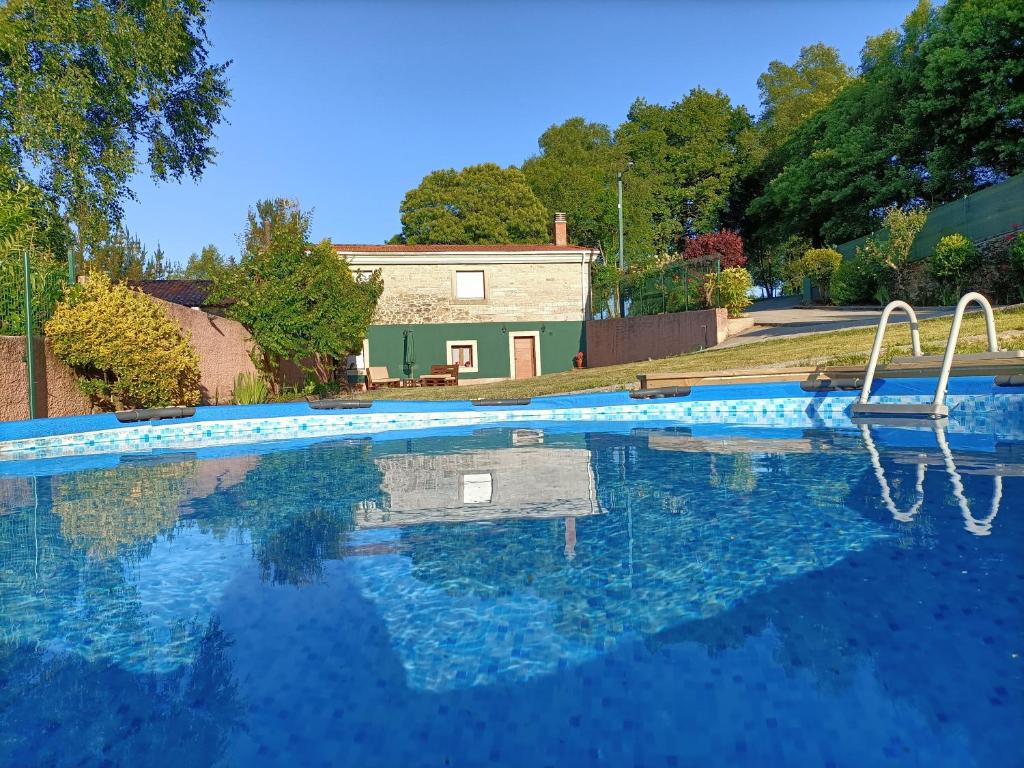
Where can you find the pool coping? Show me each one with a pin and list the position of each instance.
(222, 425)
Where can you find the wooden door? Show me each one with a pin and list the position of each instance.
(525, 356)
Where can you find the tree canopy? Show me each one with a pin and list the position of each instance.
(791, 93)
(298, 299)
(92, 90)
(484, 204)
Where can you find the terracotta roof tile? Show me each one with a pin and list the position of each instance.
(435, 248)
(187, 293)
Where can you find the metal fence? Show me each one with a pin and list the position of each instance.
(988, 213)
(678, 287)
(46, 288)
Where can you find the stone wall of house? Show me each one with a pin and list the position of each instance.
(424, 293)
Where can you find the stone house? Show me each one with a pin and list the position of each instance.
(498, 311)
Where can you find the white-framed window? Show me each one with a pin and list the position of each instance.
(477, 487)
(463, 353)
(469, 285)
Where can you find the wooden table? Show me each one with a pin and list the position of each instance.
(434, 379)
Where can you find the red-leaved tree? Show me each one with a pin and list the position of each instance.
(725, 245)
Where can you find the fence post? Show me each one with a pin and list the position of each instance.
(718, 281)
(686, 288)
(30, 363)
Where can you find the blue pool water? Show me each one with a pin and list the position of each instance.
(626, 596)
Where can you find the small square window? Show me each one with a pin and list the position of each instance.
(469, 286)
(462, 355)
(477, 488)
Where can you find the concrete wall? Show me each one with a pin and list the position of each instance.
(57, 392)
(222, 345)
(424, 293)
(632, 339)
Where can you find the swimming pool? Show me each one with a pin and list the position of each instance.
(770, 590)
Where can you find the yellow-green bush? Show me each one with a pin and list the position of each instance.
(733, 285)
(818, 264)
(126, 352)
(953, 258)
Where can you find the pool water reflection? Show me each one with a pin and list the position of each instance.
(675, 596)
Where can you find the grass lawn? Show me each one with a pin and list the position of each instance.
(849, 347)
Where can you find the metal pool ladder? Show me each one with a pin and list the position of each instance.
(936, 409)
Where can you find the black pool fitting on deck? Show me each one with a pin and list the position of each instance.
(338, 405)
(661, 392)
(155, 414)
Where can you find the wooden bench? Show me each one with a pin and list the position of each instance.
(440, 376)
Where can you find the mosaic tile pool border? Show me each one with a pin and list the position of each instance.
(828, 412)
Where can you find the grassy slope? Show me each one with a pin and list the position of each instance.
(849, 347)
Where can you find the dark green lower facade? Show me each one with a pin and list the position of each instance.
(409, 350)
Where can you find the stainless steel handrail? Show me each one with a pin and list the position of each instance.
(876, 348)
(954, 332)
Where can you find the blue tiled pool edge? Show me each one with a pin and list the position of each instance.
(758, 404)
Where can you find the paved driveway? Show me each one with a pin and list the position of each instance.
(783, 317)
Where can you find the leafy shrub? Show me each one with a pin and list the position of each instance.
(853, 282)
(887, 253)
(953, 257)
(734, 285)
(126, 352)
(818, 264)
(250, 389)
(1016, 251)
(724, 245)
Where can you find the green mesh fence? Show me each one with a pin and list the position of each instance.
(47, 289)
(677, 287)
(988, 213)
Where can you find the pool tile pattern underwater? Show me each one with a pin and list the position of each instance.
(724, 597)
(830, 411)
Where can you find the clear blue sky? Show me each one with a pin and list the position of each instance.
(347, 105)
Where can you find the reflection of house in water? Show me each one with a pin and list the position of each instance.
(483, 484)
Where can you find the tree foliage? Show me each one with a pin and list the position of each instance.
(791, 93)
(125, 350)
(935, 113)
(725, 246)
(484, 204)
(122, 256)
(688, 155)
(298, 299)
(205, 265)
(90, 90)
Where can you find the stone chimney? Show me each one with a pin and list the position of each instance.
(561, 232)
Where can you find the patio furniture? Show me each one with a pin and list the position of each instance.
(377, 377)
(440, 376)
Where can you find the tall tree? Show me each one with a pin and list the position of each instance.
(689, 154)
(576, 173)
(967, 112)
(791, 93)
(203, 265)
(92, 90)
(480, 204)
(122, 256)
(298, 299)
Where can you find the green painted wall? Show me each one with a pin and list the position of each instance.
(424, 345)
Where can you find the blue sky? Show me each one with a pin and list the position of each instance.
(347, 105)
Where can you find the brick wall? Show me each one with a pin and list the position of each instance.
(423, 293)
(633, 339)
